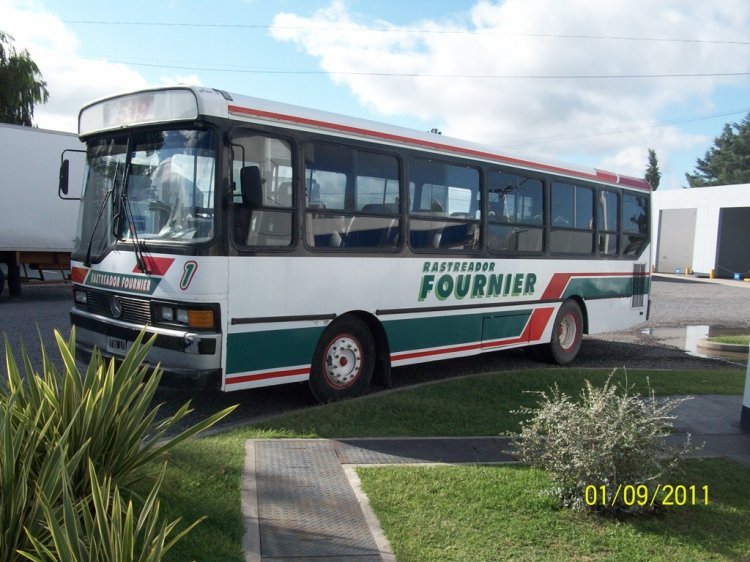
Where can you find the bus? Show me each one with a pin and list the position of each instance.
(265, 243)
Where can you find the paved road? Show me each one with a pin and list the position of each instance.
(676, 304)
(680, 301)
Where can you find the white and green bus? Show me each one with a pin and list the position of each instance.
(265, 244)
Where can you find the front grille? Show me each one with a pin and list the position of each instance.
(135, 310)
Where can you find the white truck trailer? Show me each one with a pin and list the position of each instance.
(36, 226)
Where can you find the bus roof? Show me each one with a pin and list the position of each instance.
(218, 103)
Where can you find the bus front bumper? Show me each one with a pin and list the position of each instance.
(186, 357)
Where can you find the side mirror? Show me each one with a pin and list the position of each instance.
(63, 181)
(62, 184)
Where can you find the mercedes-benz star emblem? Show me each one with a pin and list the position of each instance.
(115, 306)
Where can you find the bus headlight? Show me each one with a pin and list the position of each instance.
(199, 318)
(182, 316)
(166, 313)
(80, 296)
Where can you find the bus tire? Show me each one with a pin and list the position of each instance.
(567, 333)
(344, 360)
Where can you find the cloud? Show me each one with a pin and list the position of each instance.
(435, 74)
(179, 79)
(72, 80)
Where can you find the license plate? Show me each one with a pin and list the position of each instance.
(117, 345)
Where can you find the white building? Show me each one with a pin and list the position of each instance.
(702, 229)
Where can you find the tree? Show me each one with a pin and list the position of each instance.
(727, 162)
(21, 84)
(652, 175)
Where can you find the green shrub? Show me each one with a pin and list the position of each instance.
(61, 427)
(107, 409)
(103, 527)
(611, 439)
(27, 469)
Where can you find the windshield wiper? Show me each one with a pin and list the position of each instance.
(140, 259)
(87, 261)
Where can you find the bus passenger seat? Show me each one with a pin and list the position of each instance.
(325, 231)
(251, 186)
(241, 224)
(251, 191)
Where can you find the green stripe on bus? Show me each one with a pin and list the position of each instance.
(255, 351)
(599, 287)
(437, 331)
(504, 326)
(276, 349)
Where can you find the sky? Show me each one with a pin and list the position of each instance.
(585, 81)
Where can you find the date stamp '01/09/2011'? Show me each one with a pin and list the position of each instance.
(642, 495)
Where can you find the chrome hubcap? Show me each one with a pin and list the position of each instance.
(567, 331)
(343, 361)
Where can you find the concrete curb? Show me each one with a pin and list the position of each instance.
(384, 546)
(695, 279)
(249, 504)
(724, 350)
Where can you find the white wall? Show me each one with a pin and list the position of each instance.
(708, 201)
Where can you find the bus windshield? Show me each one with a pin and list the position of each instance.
(153, 186)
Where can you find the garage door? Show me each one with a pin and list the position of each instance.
(676, 240)
(734, 234)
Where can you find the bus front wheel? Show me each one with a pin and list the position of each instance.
(344, 360)
(567, 332)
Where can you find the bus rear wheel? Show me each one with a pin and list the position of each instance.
(567, 333)
(344, 360)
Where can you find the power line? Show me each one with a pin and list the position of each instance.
(245, 70)
(636, 127)
(409, 30)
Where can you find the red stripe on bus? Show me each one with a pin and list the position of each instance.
(532, 331)
(556, 286)
(155, 266)
(271, 375)
(444, 351)
(608, 176)
(597, 175)
(523, 338)
(539, 320)
(634, 182)
(78, 274)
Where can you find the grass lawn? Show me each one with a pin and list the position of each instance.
(738, 340)
(204, 474)
(472, 513)
(481, 404)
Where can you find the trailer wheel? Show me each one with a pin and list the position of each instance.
(567, 332)
(344, 360)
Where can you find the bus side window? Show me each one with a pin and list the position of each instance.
(608, 222)
(572, 219)
(635, 232)
(263, 206)
(352, 198)
(516, 213)
(443, 206)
